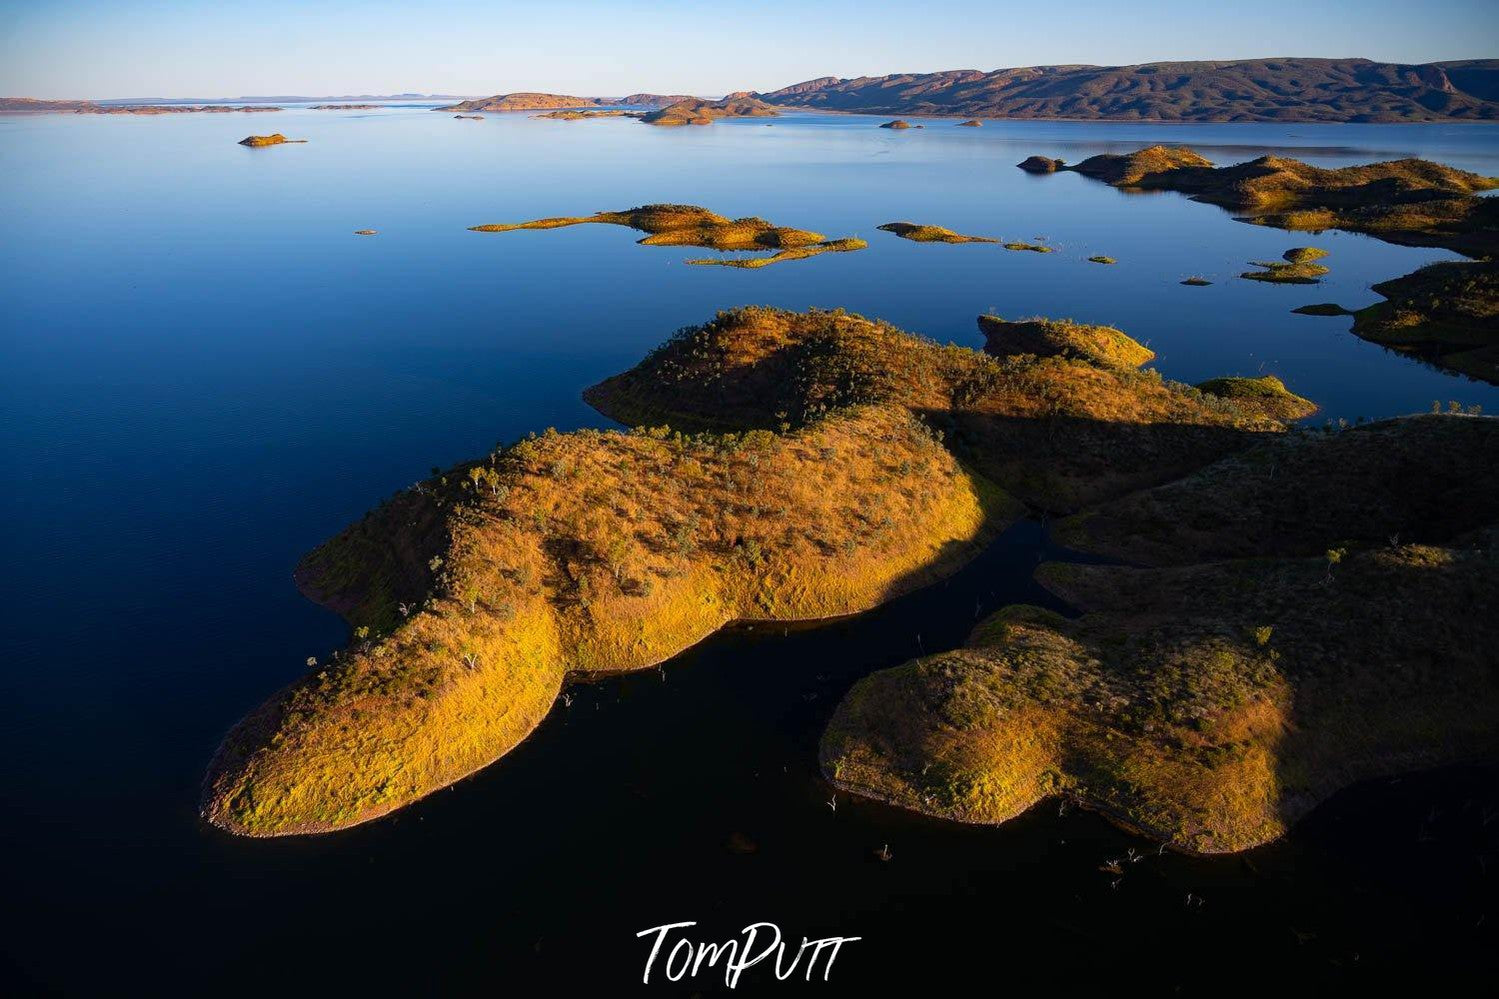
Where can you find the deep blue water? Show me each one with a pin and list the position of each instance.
(203, 373)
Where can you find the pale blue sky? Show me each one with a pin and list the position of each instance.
(199, 48)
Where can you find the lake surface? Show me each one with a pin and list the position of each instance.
(203, 374)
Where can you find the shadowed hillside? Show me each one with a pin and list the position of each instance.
(1207, 703)
(1248, 90)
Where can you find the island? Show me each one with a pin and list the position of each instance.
(1040, 164)
(1443, 314)
(696, 111)
(971, 123)
(274, 139)
(1297, 266)
(689, 225)
(572, 115)
(899, 123)
(930, 233)
(524, 101)
(1285, 90)
(787, 466)
(345, 107)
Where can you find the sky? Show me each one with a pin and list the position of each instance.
(229, 48)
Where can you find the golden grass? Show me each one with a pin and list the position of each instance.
(274, 139)
(1058, 432)
(855, 469)
(1206, 706)
(930, 233)
(587, 552)
(1265, 394)
(689, 225)
(1102, 345)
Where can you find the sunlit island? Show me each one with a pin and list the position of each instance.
(930, 233)
(689, 225)
(274, 139)
(816, 464)
(1282, 625)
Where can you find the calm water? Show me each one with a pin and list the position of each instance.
(203, 374)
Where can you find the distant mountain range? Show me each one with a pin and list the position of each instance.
(1333, 90)
(283, 99)
(1287, 90)
(526, 101)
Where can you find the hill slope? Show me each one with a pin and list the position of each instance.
(1246, 90)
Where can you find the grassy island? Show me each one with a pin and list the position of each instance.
(1444, 314)
(583, 115)
(821, 464)
(695, 111)
(1206, 703)
(689, 225)
(930, 233)
(274, 139)
(1041, 164)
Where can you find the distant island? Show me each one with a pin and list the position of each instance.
(343, 107)
(275, 139)
(690, 225)
(1350, 90)
(1447, 313)
(24, 105)
(701, 112)
(530, 101)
